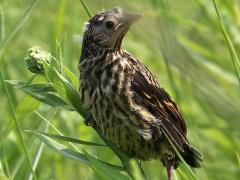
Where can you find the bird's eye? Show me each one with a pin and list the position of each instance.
(109, 24)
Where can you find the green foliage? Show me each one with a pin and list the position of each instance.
(186, 45)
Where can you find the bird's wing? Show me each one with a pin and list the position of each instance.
(157, 101)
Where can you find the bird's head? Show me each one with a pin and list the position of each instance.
(107, 29)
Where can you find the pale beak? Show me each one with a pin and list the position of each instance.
(130, 18)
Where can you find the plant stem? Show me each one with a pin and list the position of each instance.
(86, 8)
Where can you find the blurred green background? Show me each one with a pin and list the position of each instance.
(180, 41)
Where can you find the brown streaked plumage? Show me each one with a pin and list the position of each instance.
(127, 103)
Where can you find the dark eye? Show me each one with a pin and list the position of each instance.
(109, 24)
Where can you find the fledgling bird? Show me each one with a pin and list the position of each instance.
(127, 103)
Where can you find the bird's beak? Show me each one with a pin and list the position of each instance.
(130, 18)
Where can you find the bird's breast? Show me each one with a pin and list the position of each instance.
(104, 78)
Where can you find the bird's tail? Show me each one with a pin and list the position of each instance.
(192, 156)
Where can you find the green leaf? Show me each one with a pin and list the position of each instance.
(38, 87)
(71, 76)
(65, 151)
(69, 139)
(131, 166)
(72, 94)
(104, 170)
(42, 92)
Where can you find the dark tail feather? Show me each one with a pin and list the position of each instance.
(192, 156)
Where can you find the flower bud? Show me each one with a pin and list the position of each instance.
(35, 57)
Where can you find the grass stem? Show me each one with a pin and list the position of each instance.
(18, 127)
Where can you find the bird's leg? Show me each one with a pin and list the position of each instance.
(170, 172)
(169, 163)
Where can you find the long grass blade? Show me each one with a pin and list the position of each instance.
(19, 24)
(39, 151)
(104, 170)
(65, 151)
(52, 126)
(2, 24)
(86, 8)
(238, 159)
(69, 139)
(4, 160)
(186, 167)
(30, 144)
(232, 50)
(18, 127)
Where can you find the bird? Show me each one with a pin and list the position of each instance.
(126, 101)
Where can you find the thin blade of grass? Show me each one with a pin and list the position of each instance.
(186, 167)
(103, 170)
(59, 56)
(19, 24)
(30, 144)
(18, 127)
(71, 76)
(2, 24)
(126, 161)
(72, 94)
(86, 8)
(4, 160)
(67, 152)
(238, 159)
(52, 126)
(232, 50)
(41, 144)
(69, 139)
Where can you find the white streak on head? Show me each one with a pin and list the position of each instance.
(86, 26)
(100, 18)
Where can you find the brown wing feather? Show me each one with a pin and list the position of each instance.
(159, 103)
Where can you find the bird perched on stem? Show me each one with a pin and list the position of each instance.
(127, 103)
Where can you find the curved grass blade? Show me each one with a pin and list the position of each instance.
(186, 167)
(232, 50)
(38, 87)
(43, 92)
(86, 8)
(71, 76)
(2, 24)
(72, 93)
(68, 139)
(18, 127)
(65, 151)
(19, 24)
(3, 160)
(104, 170)
(39, 149)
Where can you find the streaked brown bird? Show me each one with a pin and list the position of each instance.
(127, 103)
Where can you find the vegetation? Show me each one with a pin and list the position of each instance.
(193, 48)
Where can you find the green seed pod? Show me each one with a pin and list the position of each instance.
(35, 57)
